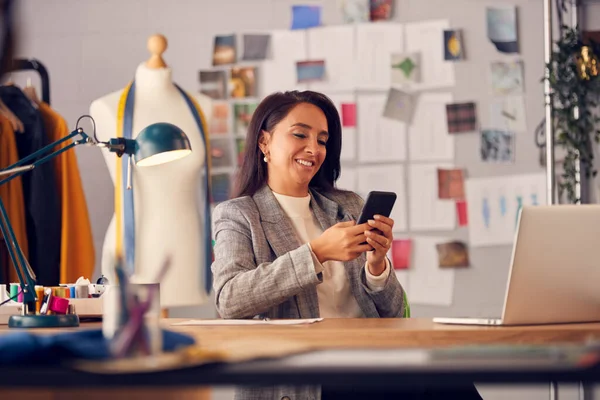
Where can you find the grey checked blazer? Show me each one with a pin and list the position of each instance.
(262, 269)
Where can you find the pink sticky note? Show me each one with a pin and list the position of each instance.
(461, 212)
(401, 253)
(349, 114)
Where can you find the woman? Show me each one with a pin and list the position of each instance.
(286, 245)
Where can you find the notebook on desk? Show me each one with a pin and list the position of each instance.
(555, 268)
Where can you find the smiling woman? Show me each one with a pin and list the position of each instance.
(287, 245)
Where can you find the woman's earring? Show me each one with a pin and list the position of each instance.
(265, 159)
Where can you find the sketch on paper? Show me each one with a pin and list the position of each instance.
(453, 45)
(450, 183)
(461, 117)
(256, 46)
(508, 113)
(306, 16)
(381, 10)
(497, 146)
(406, 68)
(243, 82)
(355, 11)
(502, 28)
(494, 205)
(224, 50)
(310, 71)
(507, 77)
(399, 106)
(219, 121)
(213, 84)
(452, 254)
(242, 114)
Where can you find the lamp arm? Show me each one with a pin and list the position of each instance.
(22, 267)
(19, 168)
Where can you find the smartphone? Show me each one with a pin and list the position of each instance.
(377, 203)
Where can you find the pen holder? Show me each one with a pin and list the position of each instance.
(131, 320)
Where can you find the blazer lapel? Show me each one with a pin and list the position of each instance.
(282, 238)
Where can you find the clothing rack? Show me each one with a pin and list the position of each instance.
(33, 64)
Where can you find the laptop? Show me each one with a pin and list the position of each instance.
(555, 268)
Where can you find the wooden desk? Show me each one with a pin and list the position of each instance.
(327, 334)
(393, 332)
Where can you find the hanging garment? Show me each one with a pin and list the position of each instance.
(77, 254)
(11, 194)
(42, 207)
(124, 208)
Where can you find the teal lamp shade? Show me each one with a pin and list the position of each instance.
(160, 143)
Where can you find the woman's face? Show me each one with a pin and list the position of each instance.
(296, 149)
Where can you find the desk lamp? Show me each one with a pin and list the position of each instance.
(156, 144)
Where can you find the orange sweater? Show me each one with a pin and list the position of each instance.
(77, 254)
(12, 193)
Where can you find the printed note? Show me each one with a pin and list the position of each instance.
(429, 284)
(380, 139)
(279, 73)
(428, 135)
(375, 44)
(427, 212)
(335, 45)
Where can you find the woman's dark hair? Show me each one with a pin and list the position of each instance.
(252, 175)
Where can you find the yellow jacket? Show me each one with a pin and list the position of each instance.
(12, 194)
(77, 254)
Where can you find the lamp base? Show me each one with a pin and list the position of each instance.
(44, 321)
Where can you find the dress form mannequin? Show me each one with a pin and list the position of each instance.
(168, 198)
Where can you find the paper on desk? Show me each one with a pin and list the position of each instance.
(429, 284)
(279, 72)
(214, 322)
(427, 38)
(380, 139)
(426, 210)
(335, 45)
(375, 44)
(428, 135)
(389, 178)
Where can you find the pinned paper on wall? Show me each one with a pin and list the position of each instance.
(508, 114)
(220, 187)
(213, 84)
(375, 43)
(348, 115)
(453, 45)
(334, 45)
(242, 114)
(502, 28)
(388, 178)
(428, 134)
(256, 46)
(348, 179)
(461, 117)
(381, 10)
(497, 146)
(427, 211)
(399, 106)
(452, 254)
(306, 16)
(429, 284)
(427, 39)
(243, 82)
(280, 72)
(346, 107)
(461, 213)
(494, 205)
(355, 11)
(507, 77)
(401, 253)
(310, 71)
(450, 183)
(405, 68)
(219, 121)
(380, 139)
(224, 50)
(220, 152)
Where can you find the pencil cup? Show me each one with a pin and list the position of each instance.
(132, 329)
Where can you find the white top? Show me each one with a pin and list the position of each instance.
(334, 293)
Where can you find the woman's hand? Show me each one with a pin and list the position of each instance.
(341, 242)
(380, 238)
